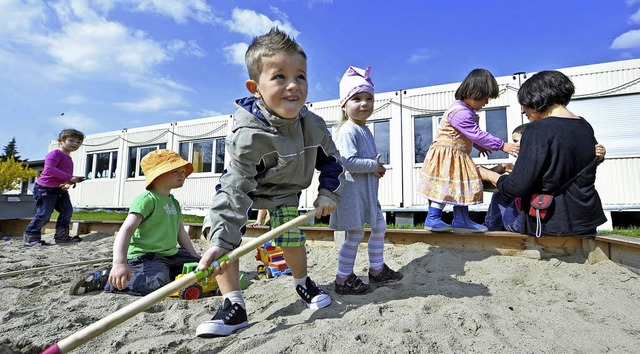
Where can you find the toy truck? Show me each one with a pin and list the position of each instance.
(206, 285)
(273, 263)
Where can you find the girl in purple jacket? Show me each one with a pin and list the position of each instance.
(448, 175)
(50, 191)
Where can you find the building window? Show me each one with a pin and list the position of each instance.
(101, 165)
(381, 137)
(205, 155)
(136, 154)
(495, 123)
(423, 131)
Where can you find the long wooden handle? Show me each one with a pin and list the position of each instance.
(84, 335)
(30, 270)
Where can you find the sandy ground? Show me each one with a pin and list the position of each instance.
(449, 302)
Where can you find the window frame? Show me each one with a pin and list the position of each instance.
(112, 166)
(482, 123)
(371, 125)
(216, 168)
(138, 168)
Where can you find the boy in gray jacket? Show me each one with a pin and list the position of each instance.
(273, 149)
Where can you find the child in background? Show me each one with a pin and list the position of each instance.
(273, 148)
(263, 218)
(359, 203)
(50, 192)
(145, 251)
(503, 212)
(448, 175)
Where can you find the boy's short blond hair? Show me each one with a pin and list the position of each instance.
(269, 44)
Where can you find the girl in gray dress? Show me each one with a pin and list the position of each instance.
(359, 196)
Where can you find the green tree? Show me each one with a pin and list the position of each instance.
(12, 173)
(10, 150)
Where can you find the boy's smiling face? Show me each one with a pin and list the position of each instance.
(282, 85)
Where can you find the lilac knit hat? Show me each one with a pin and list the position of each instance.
(355, 80)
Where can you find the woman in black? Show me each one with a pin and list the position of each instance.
(556, 157)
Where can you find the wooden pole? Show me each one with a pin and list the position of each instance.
(84, 335)
(30, 270)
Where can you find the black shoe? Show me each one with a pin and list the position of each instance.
(32, 241)
(228, 319)
(35, 243)
(386, 276)
(352, 286)
(314, 297)
(67, 239)
(92, 281)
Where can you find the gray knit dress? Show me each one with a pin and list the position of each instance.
(359, 196)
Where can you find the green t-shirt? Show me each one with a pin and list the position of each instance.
(158, 231)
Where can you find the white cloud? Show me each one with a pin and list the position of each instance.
(179, 10)
(209, 113)
(235, 53)
(313, 2)
(631, 2)
(104, 46)
(252, 24)
(153, 103)
(74, 120)
(627, 40)
(71, 41)
(74, 99)
(190, 48)
(420, 55)
(635, 18)
(19, 18)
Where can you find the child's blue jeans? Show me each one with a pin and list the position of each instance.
(502, 214)
(47, 200)
(153, 271)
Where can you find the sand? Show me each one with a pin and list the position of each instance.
(450, 301)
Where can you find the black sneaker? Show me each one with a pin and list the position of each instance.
(33, 241)
(36, 243)
(386, 276)
(90, 282)
(352, 286)
(67, 239)
(228, 319)
(314, 297)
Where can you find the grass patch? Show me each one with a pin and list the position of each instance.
(628, 231)
(101, 215)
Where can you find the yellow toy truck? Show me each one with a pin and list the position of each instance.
(206, 285)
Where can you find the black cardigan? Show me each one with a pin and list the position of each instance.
(552, 151)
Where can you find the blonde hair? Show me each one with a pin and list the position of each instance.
(343, 120)
(267, 45)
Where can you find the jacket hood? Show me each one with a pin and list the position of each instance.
(251, 113)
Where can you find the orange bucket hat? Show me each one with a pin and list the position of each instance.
(162, 161)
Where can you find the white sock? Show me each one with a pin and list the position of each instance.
(301, 281)
(235, 297)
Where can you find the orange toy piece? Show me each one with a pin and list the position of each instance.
(273, 262)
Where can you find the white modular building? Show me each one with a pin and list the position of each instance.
(404, 124)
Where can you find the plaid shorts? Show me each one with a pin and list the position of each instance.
(293, 237)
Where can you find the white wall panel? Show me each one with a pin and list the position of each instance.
(197, 192)
(96, 193)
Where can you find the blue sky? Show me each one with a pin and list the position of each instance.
(113, 64)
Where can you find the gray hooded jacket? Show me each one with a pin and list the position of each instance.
(271, 160)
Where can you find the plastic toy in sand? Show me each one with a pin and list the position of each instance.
(273, 263)
(201, 287)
